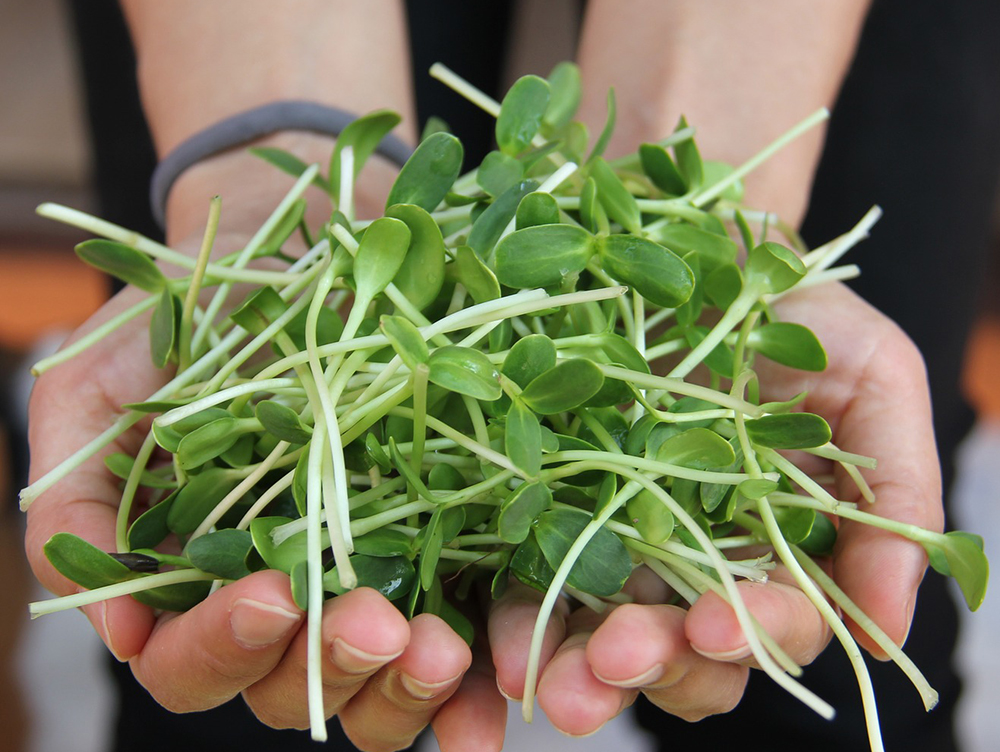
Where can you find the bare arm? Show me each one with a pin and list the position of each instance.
(742, 74)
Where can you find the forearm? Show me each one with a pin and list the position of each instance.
(742, 73)
(200, 62)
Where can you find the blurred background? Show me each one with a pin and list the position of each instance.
(54, 694)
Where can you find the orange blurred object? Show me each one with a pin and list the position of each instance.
(981, 376)
(44, 290)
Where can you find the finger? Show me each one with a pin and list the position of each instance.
(647, 648)
(876, 391)
(475, 716)
(782, 610)
(362, 632)
(575, 701)
(511, 623)
(207, 655)
(402, 698)
(70, 405)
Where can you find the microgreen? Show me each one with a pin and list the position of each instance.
(488, 404)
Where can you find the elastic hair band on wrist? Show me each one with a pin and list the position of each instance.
(290, 115)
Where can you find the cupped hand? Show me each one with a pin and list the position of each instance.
(386, 678)
(694, 662)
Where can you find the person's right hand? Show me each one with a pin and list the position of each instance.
(385, 678)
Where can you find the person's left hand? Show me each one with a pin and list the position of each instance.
(694, 662)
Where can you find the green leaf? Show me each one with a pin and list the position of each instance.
(757, 488)
(163, 329)
(715, 172)
(660, 168)
(421, 275)
(651, 517)
(720, 359)
(821, 537)
(284, 229)
(380, 256)
(466, 371)
(287, 163)
(690, 312)
(688, 159)
(567, 386)
(530, 357)
(260, 308)
(429, 173)
(960, 555)
(207, 443)
(521, 114)
(697, 448)
(790, 344)
(377, 453)
(713, 250)
(84, 563)
(658, 274)
(443, 477)
(499, 172)
(528, 564)
(565, 93)
(383, 542)
(746, 234)
(603, 566)
(458, 621)
(405, 339)
(282, 421)
(150, 528)
(519, 510)
(299, 577)
(363, 135)
(523, 439)
(180, 597)
(199, 496)
(723, 285)
(614, 197)
(434, 125)
(392, 576)
(292, 550)
(609, 128)
(329, 328)
(490, 225)
(222, 553)
(474, 275)
(300, 483)
(542, 256)
(430, 550)
(795, 523)
(789, 431)
(120, 465)
(124, 262)
(592, 215)
(712, 495)
(537, 209)
(773, 267)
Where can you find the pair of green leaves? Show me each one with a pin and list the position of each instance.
(601, 569)
(546, 255)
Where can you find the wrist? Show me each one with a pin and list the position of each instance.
(251, 188)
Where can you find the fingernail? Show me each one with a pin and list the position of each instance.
(256, 624)
(736, 654)
(109, 639)
(644, 679)
(352, 660)
(504, 692)
(425, 690)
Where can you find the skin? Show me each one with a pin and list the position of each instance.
(387, 678)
